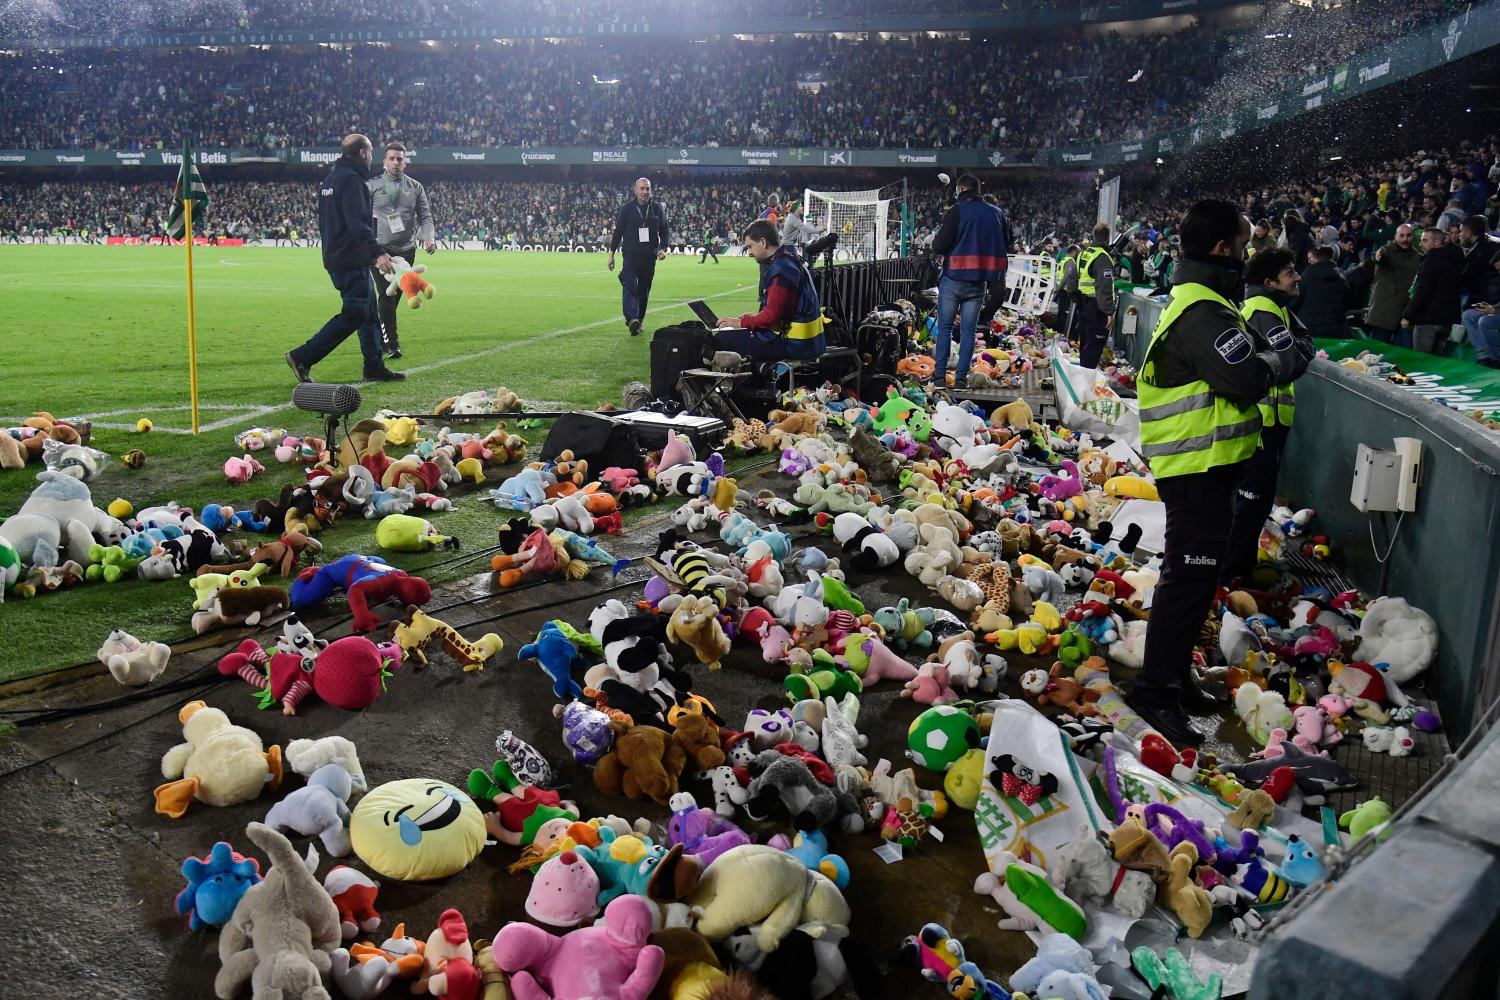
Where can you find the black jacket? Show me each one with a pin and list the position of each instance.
(1324, 302)
(1211, 343)
(1440, 281)
(346, 220)
(1481, 281)
(1299, 240)
(1294, 347)
(629, 220)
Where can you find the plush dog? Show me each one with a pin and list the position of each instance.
(644, 762)
(1084, 870)
(695, 623)
(279, 940)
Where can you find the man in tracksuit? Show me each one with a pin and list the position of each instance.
(347, 226)
(641, 229)
(1270, 286)
(972, 242)
(402, 220)
(1203, 376)
(1096, 297)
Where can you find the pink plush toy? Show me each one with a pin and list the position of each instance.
(1315, 724)
(608, 961)
(679, 451)
(1062, 487)
(774, 639)
(619, 480)
(880, 663)
(564, 893)
(930, 686)
(350, 672)
(239, 470)
(1278, 735)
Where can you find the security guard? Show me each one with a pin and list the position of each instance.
(1199, 387)
(1067, 288)
(1270, 286)
(790, 321)
(1096, 293)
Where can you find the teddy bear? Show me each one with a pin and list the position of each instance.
(132, 662)
(1060, 691)
(936, 556)
(612, 960)
(219, 763)
(699, 739)
(645, 761)
(695, 623)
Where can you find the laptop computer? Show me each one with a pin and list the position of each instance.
(703, 312)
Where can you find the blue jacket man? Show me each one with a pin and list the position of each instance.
(790, 321)
(972, 242)
(347, 226)
(641, 231)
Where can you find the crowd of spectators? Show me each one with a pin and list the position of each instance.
(47, 18)
(499, 210)
(1022, 91)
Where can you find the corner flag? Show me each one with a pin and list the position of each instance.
(190, 186)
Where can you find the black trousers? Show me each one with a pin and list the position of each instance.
(388, 303)
(708, 252)
(994, 298)
(1252, 503)
(1092, 334)
(1199, 508)
(636, 273)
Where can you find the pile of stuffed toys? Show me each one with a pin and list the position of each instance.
(1008, 524)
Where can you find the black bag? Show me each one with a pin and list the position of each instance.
(597, 438)
(674, 350)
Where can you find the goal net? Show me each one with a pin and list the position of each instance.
(861, 218)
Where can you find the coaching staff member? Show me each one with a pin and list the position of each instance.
(402, 220)
(346, 223)
(641, 231)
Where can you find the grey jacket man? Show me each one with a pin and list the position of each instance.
(402, 216)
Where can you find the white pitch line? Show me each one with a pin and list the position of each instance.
(259, 411)
(553, 335)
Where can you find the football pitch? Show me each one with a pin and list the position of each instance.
(100, 332)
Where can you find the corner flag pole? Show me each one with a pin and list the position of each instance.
(192, 331)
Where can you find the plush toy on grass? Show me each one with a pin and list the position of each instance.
(404, 533)
(238, 471)
(215, 885)
(282, 931)
(220, 764)
(406, 279)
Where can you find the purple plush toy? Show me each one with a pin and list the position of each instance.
(586, 731)
(702, 832)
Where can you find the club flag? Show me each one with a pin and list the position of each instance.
(189, 185)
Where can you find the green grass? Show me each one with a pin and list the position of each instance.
(101, 330)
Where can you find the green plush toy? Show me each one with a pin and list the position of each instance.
(583, 640)
(1073, 647)
(109, 563)
(823, 678)
(834, 499)
(1366, 817)
(1173, 972)
(404, 533)
(836, 595)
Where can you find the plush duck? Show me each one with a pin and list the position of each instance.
(221, 764)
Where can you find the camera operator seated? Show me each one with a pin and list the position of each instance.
(790, 322)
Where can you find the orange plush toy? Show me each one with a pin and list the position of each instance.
(406, 278)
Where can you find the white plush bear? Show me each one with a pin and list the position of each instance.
(132, 662)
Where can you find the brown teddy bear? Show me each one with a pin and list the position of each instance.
(699, 739)
(356, 445)
(504, 447)
(786, 427)
(12, 454)
(47, 427)
(1016, 413)
(645, 761)
(748, 435)
(1066, 555)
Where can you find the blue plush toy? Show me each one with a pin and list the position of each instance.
(1302, 866)
(526, 489)
(141, 544)
(811, 848)
(220, 518)
(557, 656)
(629, 863)
(215, 885)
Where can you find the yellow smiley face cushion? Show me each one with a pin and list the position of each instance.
(417, 829)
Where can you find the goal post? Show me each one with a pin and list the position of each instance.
(862, 220)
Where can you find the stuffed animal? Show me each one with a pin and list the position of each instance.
(215, 885)
(773, 893)
(406, 280)
(58, 521)
(282, 931)
(610, 961)
(872, 660)
(1401, 636)
(644, 761)
(132, 662)
(702, 832)
(304, 757)
(695, 623)
(556, 655)
(1084, 870)
(318, 809)
(931, 685)
(365, 581)
(786, 782)
(1371, 816)
(802, 968)
(1059, 690)
(238, 471)
(353, 893)
(521, 810)
(1054, 953)
(219, 764)
(404, 533)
